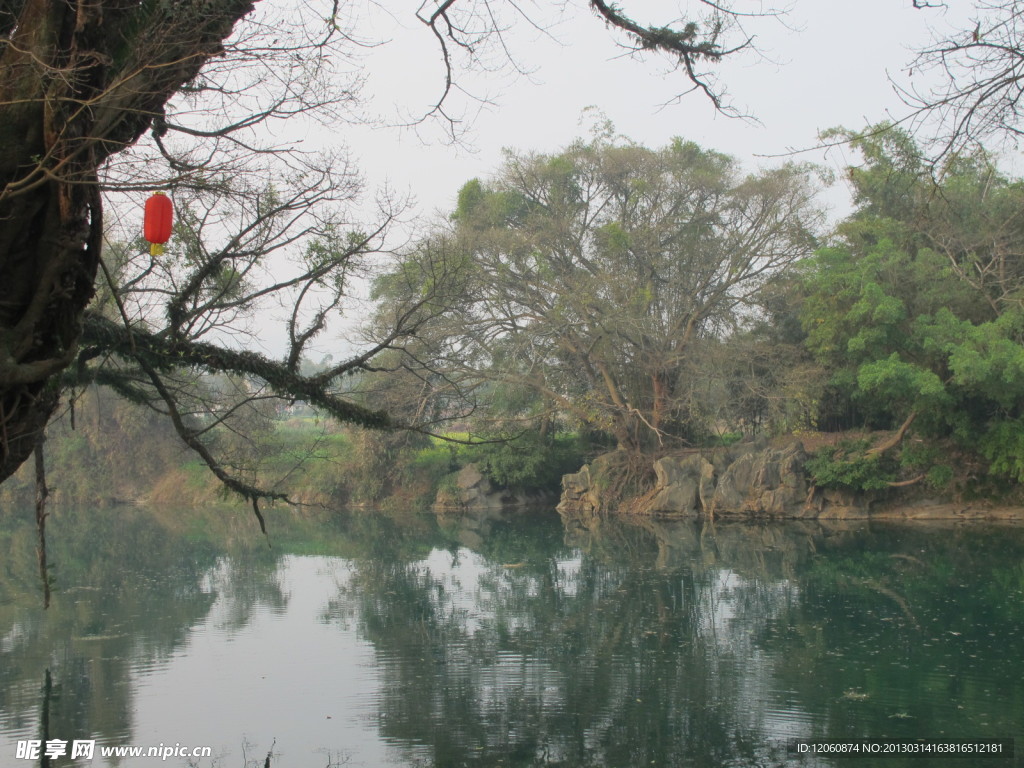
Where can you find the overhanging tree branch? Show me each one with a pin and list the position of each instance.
(158, 353)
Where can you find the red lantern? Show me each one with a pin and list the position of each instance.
(157, 226)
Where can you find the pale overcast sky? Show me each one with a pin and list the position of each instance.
(826, 64)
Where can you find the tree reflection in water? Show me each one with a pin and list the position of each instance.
(596, 643)
(543, 656)
(653, 643)
(130, 586)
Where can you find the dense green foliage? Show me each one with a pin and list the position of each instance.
(917, 308)
(846, 466)
(528, 461)
(660, 297)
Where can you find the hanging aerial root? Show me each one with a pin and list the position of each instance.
(259, 516)
(42, 492)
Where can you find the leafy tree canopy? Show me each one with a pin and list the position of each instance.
(918, 305)
(594, 277)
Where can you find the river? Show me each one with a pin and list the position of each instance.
(364, 639)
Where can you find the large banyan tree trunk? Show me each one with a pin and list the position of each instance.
(79, 81)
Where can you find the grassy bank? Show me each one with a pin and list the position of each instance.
(113, 452)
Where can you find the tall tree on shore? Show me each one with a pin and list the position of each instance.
(593, 277)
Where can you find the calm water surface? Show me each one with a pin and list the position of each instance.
(369, 640)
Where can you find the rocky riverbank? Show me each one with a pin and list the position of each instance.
(756, 480)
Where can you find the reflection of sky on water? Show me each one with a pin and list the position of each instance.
(732, 612)
(537, 652)
(284, 676)
(735, 611)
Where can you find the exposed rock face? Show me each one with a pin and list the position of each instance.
(751, 481)
(745, 480)
(769, 482)
(578, 493)
(680, 482)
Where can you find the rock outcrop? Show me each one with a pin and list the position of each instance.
(578, 492)
(683, 485)
(741, 481)
(768, 482)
